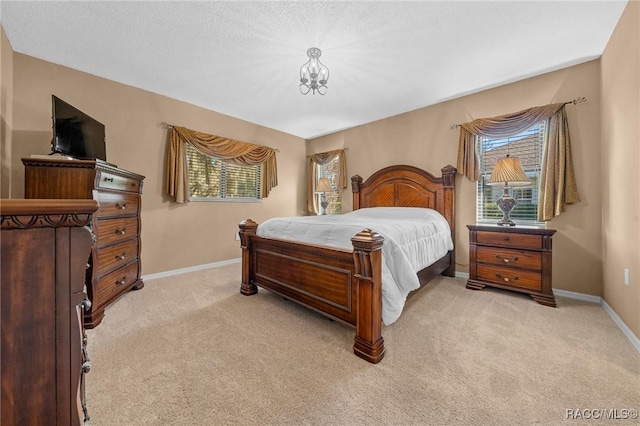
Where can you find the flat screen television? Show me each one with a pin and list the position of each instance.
(75, 134)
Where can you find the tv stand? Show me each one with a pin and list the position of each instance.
(114, 265)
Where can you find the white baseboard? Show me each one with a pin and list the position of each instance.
(563, 293)
(600, 301)
(625, 330)
(190, 269)
(578, 296)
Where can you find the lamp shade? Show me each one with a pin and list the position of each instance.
(323, 185)
(508, 171)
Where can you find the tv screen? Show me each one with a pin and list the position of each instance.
(75, 133)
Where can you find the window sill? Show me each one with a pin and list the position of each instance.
(227, 200)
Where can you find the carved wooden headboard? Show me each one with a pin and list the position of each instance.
(407, 186)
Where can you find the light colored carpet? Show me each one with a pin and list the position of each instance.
(191, 350)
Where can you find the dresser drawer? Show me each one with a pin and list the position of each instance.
(108, 180)
(117, 255)
(117, 204)
(109, 231)
(527, 241)
(116, 282)
(510, 257)
(510, 276)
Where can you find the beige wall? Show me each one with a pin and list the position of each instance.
(6, 113)
(173, 236)
(424, 138)
(620, 152)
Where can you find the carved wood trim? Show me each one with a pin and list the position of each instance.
(36, 213)
(80, 164)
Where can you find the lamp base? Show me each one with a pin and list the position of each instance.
(324, 203)
(506, 203)
(506, 222)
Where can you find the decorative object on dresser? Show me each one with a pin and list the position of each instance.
(45, 248)
(508, 172)
(114, 266)
(516, 259)
(346, 284)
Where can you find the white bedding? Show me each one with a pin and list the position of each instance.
(414, 238)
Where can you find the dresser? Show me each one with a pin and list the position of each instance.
(45, 246)
(114, 266)
(512, 258)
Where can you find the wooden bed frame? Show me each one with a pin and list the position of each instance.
(342, 284)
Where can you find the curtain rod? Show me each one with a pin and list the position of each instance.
(166, 125)
(576, 101)
(346, 148)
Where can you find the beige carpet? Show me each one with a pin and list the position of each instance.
(191, 350)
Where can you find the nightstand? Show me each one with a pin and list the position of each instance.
(514, 258)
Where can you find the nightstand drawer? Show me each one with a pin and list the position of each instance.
(510, 257)
(510, 277)
(525, 241)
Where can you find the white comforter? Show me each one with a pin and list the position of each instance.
(414, 238)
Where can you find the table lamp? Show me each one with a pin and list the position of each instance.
(508, 172)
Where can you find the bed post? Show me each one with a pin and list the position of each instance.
(356, 181)
(367, 257)
(247, 229)
(449, 186)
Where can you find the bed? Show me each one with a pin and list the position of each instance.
(345, 284)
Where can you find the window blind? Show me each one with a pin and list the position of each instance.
(527, 146)
(212, 178)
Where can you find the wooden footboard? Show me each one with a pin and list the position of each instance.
(343, 285)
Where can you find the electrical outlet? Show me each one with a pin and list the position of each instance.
(626, 277)
(237, 236)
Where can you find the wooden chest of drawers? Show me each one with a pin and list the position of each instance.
(114, 266)
(515, 258)
(44, 245)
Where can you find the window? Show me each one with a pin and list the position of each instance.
(527, 146)
(330, 171)
(214, 179)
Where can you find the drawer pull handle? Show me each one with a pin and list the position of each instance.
(507, 259)
(120, 256)
(85, 305)
(122, 281)
(121, 231)
(506, 238)
(506, 279)
(108, 179)
(121, 206)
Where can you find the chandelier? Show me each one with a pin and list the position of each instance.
(314, 75)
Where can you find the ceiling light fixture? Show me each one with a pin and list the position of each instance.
(314, 74)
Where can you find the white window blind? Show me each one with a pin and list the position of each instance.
(214, 179)
(527, 146)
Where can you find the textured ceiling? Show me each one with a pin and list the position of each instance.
(242, 58)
